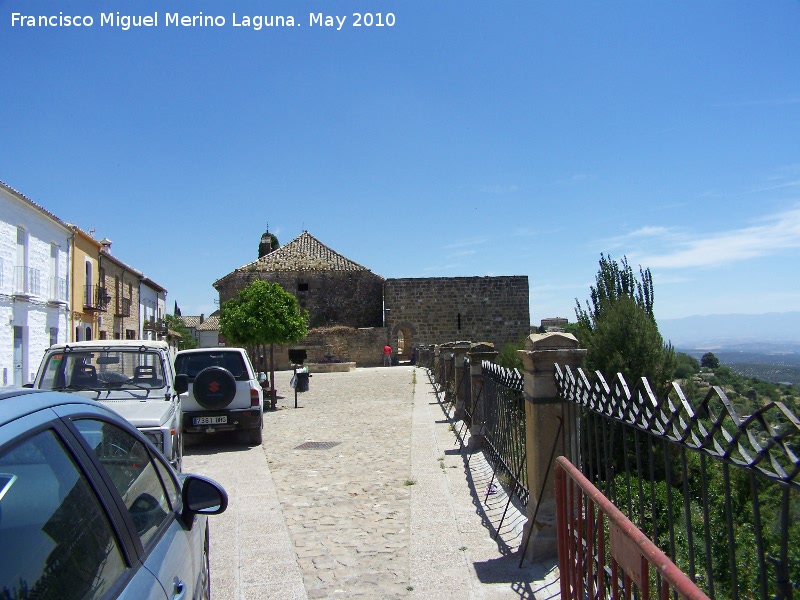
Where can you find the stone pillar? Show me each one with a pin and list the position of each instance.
(436, 350)
(477, 354)
(445, 368)
(461, 376)
(543, 411)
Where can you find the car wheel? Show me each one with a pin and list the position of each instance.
(214, 388)
(255, 436)
(204, 593)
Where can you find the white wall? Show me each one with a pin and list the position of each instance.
(36, 313)
(152, 306)
(148, 310)
(208, 339)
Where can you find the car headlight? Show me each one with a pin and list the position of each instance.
(156, 439)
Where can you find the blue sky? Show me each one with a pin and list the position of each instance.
(470, 138)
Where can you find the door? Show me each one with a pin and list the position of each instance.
(19, 354)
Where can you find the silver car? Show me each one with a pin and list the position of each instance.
(134, 377)
(90, 509)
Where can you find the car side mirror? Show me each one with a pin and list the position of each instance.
(181, 383)
(202, 496)
(262, 377)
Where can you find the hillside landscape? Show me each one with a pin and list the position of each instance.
(766, 346)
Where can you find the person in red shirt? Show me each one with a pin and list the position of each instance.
(387, 356)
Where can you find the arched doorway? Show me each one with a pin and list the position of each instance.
(403, 335)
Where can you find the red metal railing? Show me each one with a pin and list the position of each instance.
(601, 554)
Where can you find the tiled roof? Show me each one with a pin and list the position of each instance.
(304, 253)
(104, 255)
(210, 324)
(191, 321)
(153, 285)
(39, 207)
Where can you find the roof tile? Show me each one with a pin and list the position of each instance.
(304, 253)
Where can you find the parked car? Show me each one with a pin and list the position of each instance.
(224, 392)
(135, 377)
(90, 509)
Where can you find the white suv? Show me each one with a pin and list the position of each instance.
(224, 392)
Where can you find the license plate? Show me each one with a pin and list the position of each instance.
(209, 420)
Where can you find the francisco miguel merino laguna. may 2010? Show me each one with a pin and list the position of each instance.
(256, 22)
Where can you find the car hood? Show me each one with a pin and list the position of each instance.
(149, 412)
(144, 413)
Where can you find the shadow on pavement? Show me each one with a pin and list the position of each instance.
(216, 443)
(506, 570)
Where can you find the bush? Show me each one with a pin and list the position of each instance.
(508, 357)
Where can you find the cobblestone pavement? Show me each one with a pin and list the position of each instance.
(361, 492)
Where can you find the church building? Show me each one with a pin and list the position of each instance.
(341, 295)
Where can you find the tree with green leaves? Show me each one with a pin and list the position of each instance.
(619, 330)
(686, 365)
(176, 325)
(263, 313)
(267, 244)
(509, 358)
(616, 281)
(709, 361)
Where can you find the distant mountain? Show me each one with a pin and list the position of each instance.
(768, 333)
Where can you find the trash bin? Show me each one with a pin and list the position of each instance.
(302, 381)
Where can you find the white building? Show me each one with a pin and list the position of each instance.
(35, 255)
(208, 332)
(152, 308)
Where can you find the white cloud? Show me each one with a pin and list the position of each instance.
(774, 234)
(461, 253)
(546, 288)
(439, 268)
(466, 243)
(777, 186)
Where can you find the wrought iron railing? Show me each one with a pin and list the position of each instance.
(58, 289)
(95, 298)
(718, 493)
(474, 406)
(27, 281)
(153, 324)
(504, 426)
(496, 410)
(123, 308)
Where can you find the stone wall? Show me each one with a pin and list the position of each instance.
(362, 346)
(121, 282)
(429, 310)
(351, 298)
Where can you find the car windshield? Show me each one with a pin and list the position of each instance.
(103, 369)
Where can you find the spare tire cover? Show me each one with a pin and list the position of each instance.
(214, 388)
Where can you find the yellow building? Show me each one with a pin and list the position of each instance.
(88, 296)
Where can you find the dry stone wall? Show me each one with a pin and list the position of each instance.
(490, 309)
(351, 298)
(346, 344)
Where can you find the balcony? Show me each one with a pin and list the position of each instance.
(95, 298)
(123, 307)
(154, 324)
(27, 282)
(57, 292)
